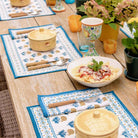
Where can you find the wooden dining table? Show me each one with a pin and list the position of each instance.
(24, 91)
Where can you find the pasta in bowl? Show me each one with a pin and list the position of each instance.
(95, 71)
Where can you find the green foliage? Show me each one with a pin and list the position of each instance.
(113, 25)
(111, 11)
(95, 66)
(132, 43)
(81, 8)
(99, 2)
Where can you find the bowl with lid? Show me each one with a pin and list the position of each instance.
(96, 123)
(42, 39)
(20, 3)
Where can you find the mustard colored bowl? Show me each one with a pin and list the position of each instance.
(96, 123)
(20, 3)
(42, 39)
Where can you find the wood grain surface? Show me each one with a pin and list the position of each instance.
(24, 91)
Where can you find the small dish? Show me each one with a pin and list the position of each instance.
(42, 39)
(20, 3)
(85, 60)
(96, 123)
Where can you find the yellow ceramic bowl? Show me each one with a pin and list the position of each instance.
(96, 123)
(20, 3)
(42, 39)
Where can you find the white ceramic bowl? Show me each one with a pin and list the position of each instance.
(88, 59)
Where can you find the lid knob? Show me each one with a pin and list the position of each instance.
(96, 114)
(41, 30)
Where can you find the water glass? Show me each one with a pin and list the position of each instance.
(84, 43)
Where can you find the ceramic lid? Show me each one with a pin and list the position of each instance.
(42, 34)
(97, 122)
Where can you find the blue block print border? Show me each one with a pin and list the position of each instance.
(12, 68)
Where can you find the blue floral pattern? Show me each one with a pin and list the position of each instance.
(20, 53)
(99, 100)
(90, 107)
(71, 124)
(62, 133)
(66, 111)
(75, 104)
(56, 119)
(46, 127)
(125, 134)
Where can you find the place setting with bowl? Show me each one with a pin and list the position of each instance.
(86, 113)
(18, 9)
(96, 111)
(39, 50)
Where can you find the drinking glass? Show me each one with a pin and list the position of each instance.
(91, 28)
(58, 7)
(84, 43)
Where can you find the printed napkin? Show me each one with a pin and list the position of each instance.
(87, 99)
(14, 35)
(36, 5)
(62, 126)
(19, 52)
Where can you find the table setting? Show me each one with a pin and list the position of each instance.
(48, 50)
(20, 53)
(17, 9)
(58, 122)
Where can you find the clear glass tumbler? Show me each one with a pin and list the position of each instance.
(84, 43)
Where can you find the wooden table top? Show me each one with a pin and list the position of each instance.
(24, 91)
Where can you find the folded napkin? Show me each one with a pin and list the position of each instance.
(126, 31)
(14, 35)
(88, 99)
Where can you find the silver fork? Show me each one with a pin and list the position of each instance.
(60, 62)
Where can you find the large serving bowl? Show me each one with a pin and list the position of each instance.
(20, 3)
(85, 60)
(42, 39)
(92, 27)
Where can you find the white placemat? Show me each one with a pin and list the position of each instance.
(19, 53)
(62, 126)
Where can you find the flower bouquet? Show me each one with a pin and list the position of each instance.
(113, 12)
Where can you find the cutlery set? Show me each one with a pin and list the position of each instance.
(44, 64)
(20, 14)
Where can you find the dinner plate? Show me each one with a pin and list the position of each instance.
(85, 60)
